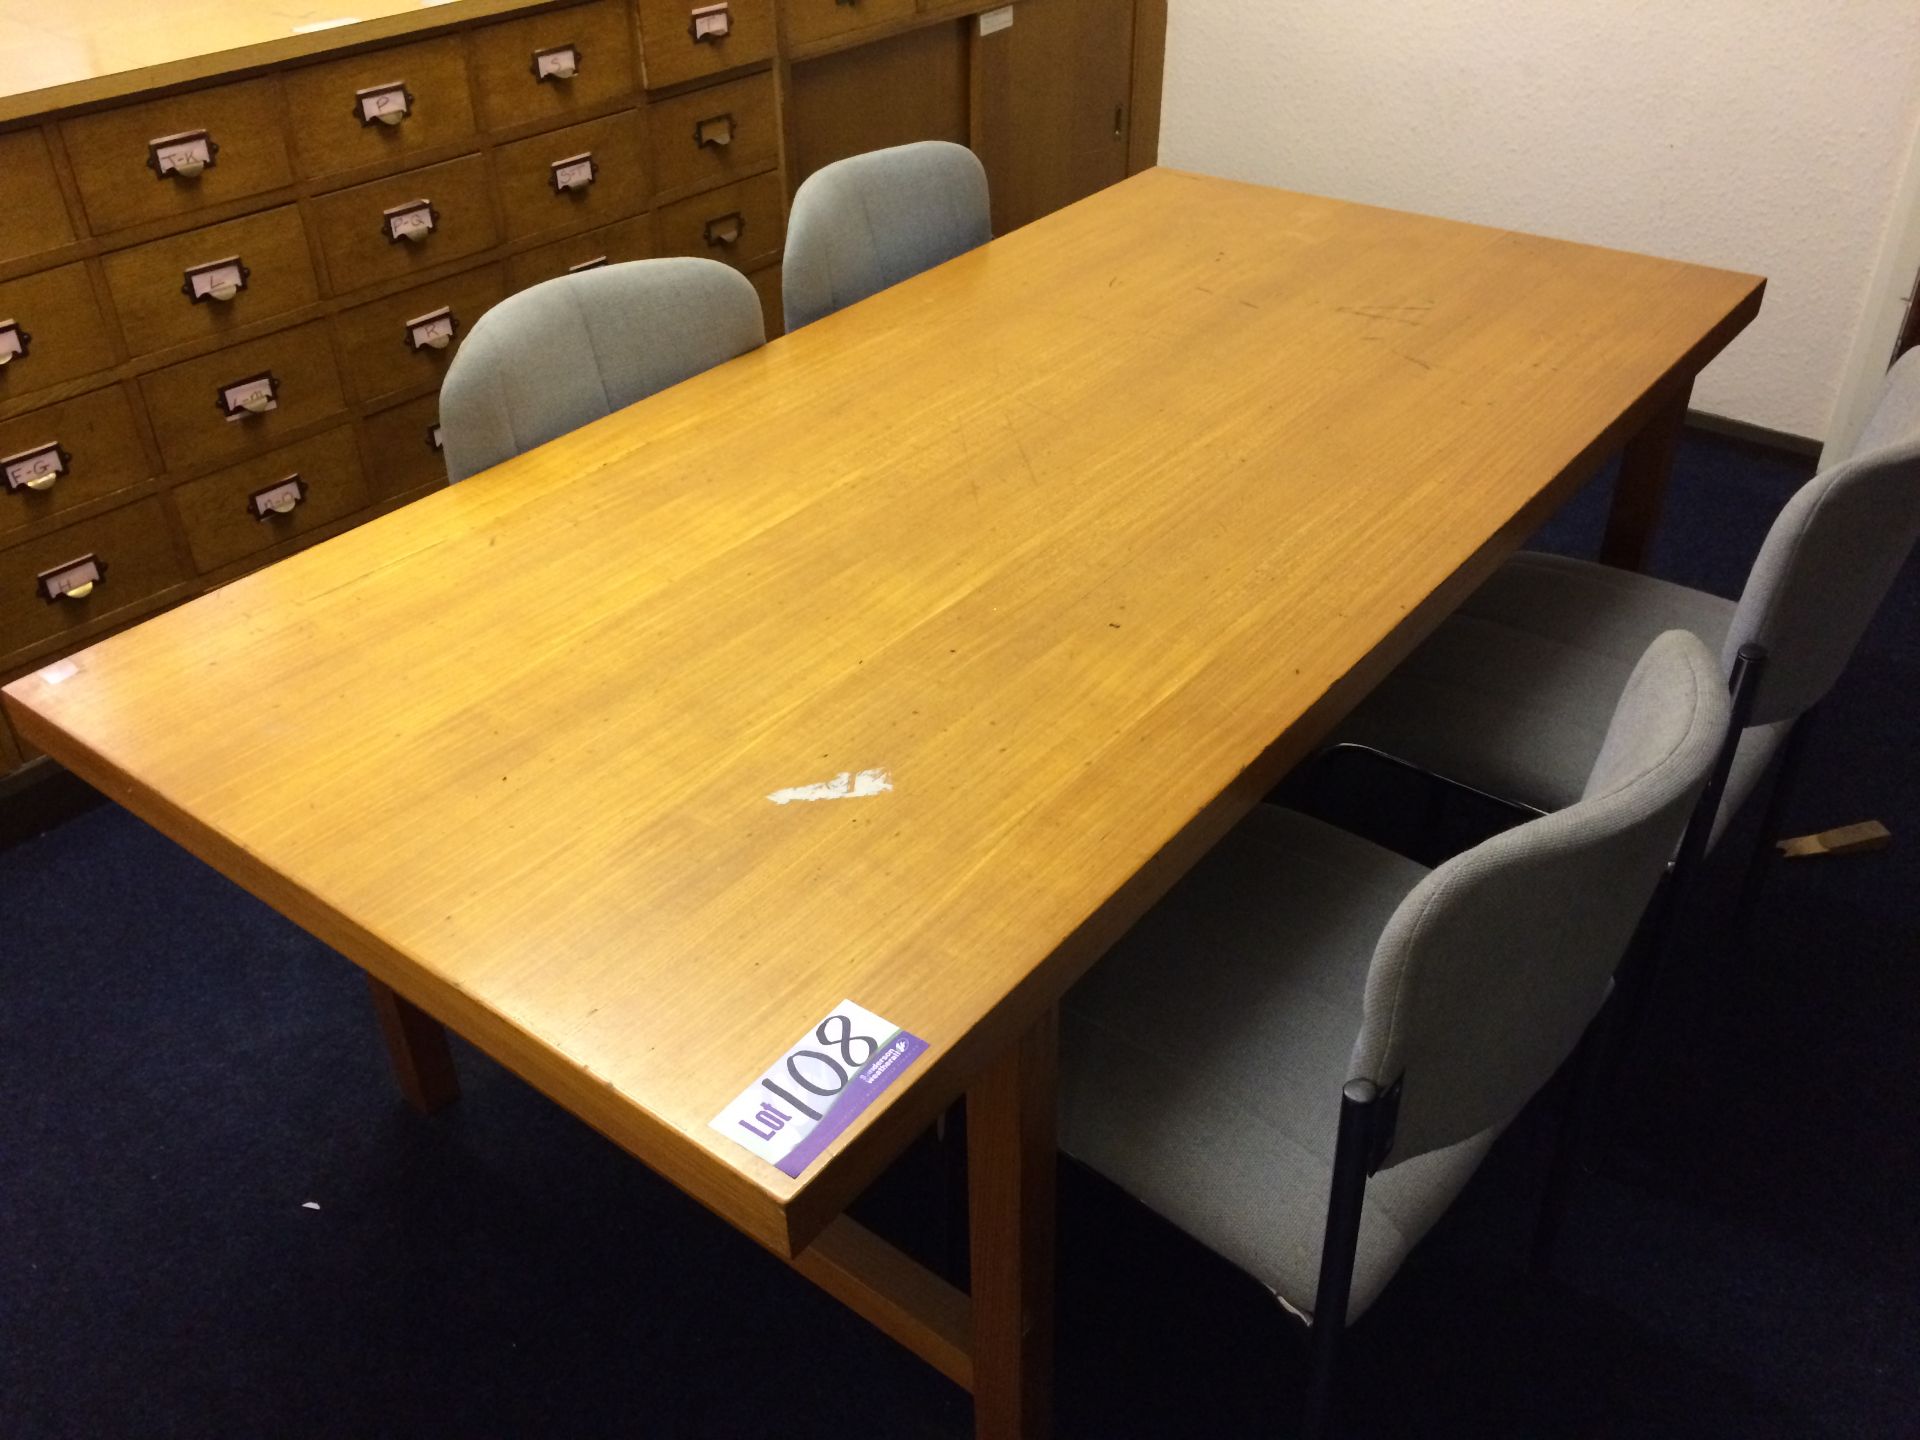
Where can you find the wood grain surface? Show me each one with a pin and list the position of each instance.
(1084, 537)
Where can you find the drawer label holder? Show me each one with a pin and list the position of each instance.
(710, 24)
(72, 581)
(725, 229)
(282, 497)
(576, 173)
(414, 221)
(807, 1098)
(434, 330)
(254, 395)
(14, 342)
(561, 62)
(218, 280)
(36, 469)
(386, 104)
(715, 132)
(182, 156)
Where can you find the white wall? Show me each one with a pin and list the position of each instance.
(1763, 135)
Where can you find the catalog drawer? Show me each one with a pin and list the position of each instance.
(51, 330)
(177, 155)
(406, 223)
(567, 179)
(609, 245)
(713, 136)
(109, 565)
(210, 282)
(54, 459)
(402, 448)
(553, 65)
(408, 339)
(811, 21)
(683, 40)
(261, 502)
(740, 224)
(379, 108)
(244, 398)
(33, 216)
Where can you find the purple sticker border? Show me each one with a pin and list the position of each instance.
(900, 1051)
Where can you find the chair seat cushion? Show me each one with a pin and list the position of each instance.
(1513, 692)
(1203, 1058)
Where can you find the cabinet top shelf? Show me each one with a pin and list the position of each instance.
(82, 52)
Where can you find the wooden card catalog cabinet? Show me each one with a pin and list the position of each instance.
(232, 280)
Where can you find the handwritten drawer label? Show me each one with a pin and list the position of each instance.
(280, 498)
(36, 469)
(216, 280)
(13, 341)
(709, 23)
(808, 1097)
(576, 172)
(184, 155)
(562, 62)
(387, 104)
(255, 395)
(412, 221)
(432, 331)
(76, 578)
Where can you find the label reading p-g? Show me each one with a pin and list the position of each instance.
(805, 1099)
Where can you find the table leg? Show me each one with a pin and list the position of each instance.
(1011, 1162)
(417, 1045)
(1645, 466)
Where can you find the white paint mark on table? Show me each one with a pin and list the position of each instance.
(842, 786)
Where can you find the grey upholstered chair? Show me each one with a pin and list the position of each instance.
(1510, 695)
(567, 351)
(862, 224)
(1306, 1009)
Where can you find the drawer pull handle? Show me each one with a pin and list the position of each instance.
(562, 62)
(710, 24)
(386, 104)
(182, 156)
(14, 342)
(217, 280)
(36, 469)
(254, 395)
(725, 229)
(72, 581)
(282, 497)
(574, 173)
(412, 222)
(432, 331)
(715, 132)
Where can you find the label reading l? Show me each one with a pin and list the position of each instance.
(810, 1095)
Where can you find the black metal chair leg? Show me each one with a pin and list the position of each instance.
(1760, 861)
(1586, 1071)
(1354, 1157)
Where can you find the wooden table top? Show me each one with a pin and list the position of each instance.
(80, 52)
(1084, 538)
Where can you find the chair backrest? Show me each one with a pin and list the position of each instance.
(1491, 969)
(864, 223)
(1831, 557)
(549, 359)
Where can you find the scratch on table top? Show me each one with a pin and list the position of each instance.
(840, 787)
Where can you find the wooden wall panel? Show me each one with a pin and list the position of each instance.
(911, 87)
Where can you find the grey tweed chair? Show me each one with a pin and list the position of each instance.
(862, 224)
(1306, 1010)
(568, 351)
(1510, 695)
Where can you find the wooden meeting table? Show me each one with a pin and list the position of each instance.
(898, 665)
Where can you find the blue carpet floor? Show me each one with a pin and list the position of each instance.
(218, 1219)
